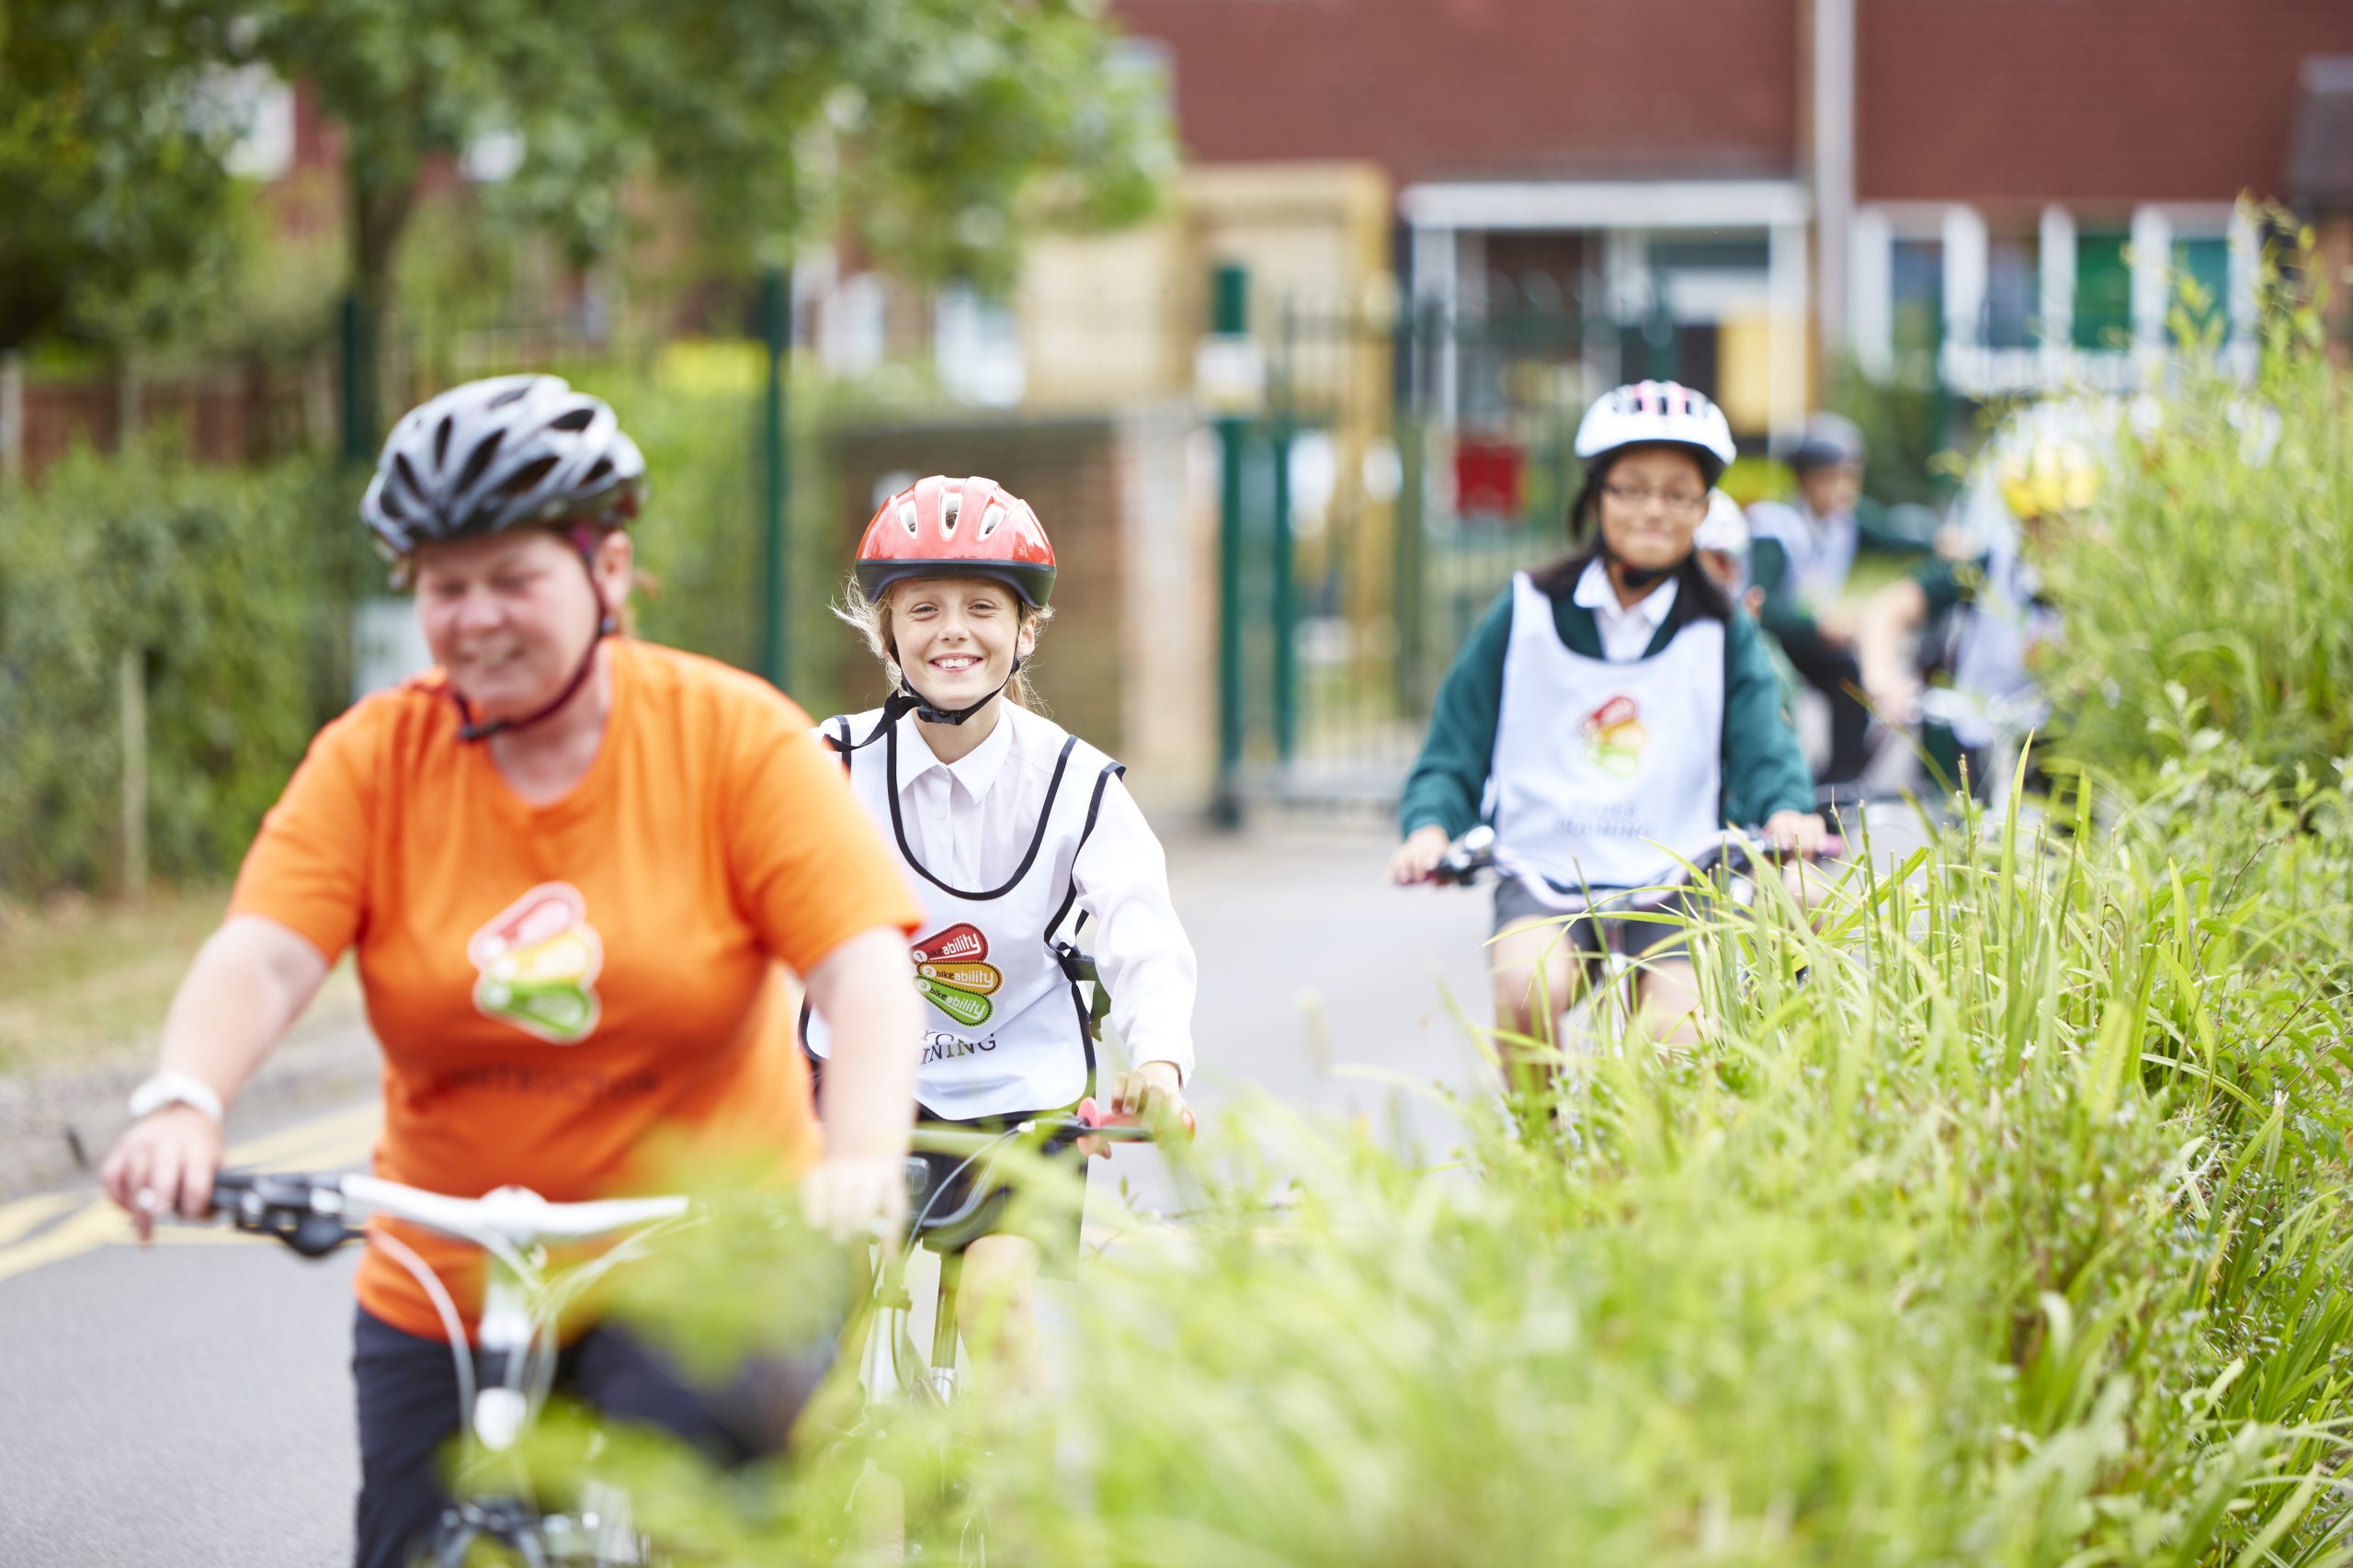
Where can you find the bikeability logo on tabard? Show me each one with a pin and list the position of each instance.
(1614, 736)
(951, 973)
(538, 962)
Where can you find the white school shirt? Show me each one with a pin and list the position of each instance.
(971, 821)
(1625, 630)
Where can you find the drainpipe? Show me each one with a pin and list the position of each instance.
(1834, 162)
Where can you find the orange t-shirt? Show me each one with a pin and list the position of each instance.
(552, 984)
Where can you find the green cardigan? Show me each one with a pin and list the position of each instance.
(1765, 770)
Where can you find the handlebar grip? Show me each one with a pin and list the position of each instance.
(1100, 1123)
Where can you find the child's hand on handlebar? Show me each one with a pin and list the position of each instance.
(1803, 832)
(1418, 855)
(1151, 1093)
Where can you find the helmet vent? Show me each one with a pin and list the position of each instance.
(992, 519)
(408, 474)
(951, 510)
(603, 467)
(908, 520)
(528, 475)
(441, 441)
(573, 419)
(512, 394)
(481, 460)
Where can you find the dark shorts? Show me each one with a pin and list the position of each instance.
(1053, 1222)
(407, 1390)
(1590, 937)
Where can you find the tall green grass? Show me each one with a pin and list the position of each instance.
(2001, 1221)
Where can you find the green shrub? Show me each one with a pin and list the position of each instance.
(2214, 578)
(235, 589)
(702, 542)
(1906, 427)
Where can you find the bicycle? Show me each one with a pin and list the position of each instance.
(1476, 857)
(314, 1214)
(894, 1374)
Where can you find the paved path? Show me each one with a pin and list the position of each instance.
(188, 1405)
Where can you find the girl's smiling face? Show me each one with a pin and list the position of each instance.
(956, 637)
(1653, 501)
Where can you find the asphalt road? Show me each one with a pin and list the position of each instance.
(188, 1405)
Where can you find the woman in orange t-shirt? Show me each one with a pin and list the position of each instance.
(571, 866)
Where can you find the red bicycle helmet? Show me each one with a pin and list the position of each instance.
(957, 528)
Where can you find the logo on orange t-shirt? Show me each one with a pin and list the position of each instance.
(539, 959)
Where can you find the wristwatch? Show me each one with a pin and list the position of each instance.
(176, 1089)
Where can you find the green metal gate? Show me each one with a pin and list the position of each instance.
(1403, 465)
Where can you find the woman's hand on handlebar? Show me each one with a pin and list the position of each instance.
(1418, 855)
(848, 1197)
(1151, 1093)
(164, 1164)
(1803, 832)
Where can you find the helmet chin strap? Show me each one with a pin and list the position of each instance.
(471, 728)
(1635, 576)
(907, 699)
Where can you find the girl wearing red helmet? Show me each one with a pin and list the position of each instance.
(1012, 831)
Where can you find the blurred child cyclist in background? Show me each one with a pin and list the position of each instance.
(1610, 711)
(1801, 554)
(2040, 469)
(1006, 825)
(1723, 543)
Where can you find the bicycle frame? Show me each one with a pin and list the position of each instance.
(515, 1332)
(1477, 855)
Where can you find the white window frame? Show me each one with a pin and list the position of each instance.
(1871, 269)
(1441, 215)
(2053, 363)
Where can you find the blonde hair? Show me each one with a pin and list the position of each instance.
(871, 619)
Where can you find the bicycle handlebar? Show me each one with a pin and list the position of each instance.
(1474, 854)
(314, 1214)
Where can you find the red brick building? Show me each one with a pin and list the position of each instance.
(1996, 192)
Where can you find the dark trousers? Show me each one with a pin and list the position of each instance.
(1834, 673)
(407, 1391)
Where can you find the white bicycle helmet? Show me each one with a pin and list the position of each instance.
(1657, 414)
(1726, 527)
(501, 453)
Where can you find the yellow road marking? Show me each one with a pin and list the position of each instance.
(30, 1213)
(326, 1143)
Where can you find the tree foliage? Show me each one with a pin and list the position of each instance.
(934, 131)
(119, 210)
(232, 587)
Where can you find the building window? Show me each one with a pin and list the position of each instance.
(2013, 291)
(2204, 260)
(2103, 313)
(1916, 282)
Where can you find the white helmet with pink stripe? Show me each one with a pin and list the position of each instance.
(1657, 414)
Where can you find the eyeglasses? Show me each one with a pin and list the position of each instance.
(1677, 503)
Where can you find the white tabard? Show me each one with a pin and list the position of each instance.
(1005, 1027)
(1604, 772)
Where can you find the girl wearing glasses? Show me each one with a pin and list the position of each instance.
(1611, 712)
